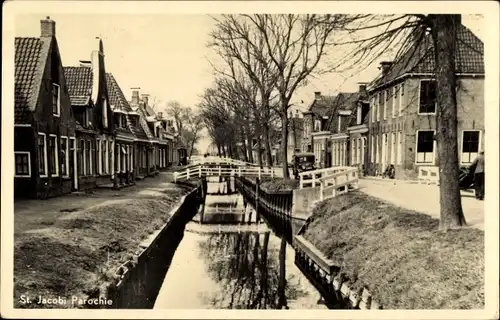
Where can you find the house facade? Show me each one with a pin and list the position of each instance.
(403, 102)
(44, 124)
(96, 148)
(316, 136)
(295, 135)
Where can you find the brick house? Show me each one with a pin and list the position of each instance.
(402, 120)
(346, 113)
(95, 123)
(357, 130)
(128, 132)
(44, 125)
(316, 136)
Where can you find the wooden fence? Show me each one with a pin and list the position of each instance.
(224, 171)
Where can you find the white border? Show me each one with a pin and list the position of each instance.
(490, 10)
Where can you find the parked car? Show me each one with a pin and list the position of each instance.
(302, 162)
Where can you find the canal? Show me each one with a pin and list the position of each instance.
(229, 258)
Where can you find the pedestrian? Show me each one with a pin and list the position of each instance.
(477, 167)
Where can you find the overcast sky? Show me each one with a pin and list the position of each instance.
(166, 55)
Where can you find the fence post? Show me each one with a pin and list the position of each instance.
(187, 173)
(259, 173)
(199, 171)
(220, 171)
(175, 177)
(321, 186)
(239, 171)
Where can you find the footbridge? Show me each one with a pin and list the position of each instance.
(224, 167)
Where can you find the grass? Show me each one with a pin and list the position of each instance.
(80, 251)
(399, 255)
(277, 184)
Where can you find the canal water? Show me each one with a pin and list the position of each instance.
(238, 263)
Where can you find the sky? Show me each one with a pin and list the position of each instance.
(166, 55)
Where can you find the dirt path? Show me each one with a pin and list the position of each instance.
(36, 214)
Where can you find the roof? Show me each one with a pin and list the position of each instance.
(117, 99)
(419, 58)
(321, 106)
(79, 81)
(30, 57)
(143, 124)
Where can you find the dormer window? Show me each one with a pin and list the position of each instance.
(317, 125)
(56, 100)
(359, 114)
(123, 123)
(105, 113)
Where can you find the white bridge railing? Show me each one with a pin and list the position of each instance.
(312, 178)
(205, 170)
(331, 183)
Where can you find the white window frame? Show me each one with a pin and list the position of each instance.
(84, 156)
(386, 97)
(462, 145)
(394, 99)
(58, 87)
(393, 155)
(99, 155)
(56, 142)
(29, 164)
(374, 109)
(433, 149)
(91, 155)
(45, 163)
(418, 104)
(401, 95)
(378, 106)
(66, 156)
(399, 148)
(372, 156)
(105, 113)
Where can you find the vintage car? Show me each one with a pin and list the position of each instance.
(303, 161)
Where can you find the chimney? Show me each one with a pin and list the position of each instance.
(144, 98)
(317, 95)
(85, 63)
(362, 86)
(135, 96)
(48, 27)
(385, 66)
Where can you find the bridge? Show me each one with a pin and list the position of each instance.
(224, 167)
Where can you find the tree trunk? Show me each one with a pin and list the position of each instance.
(444, 34)
(259, 151)
(224, 150)
(218, 150)
(267, 145)
(244, 143)
(249, 145)
(284, 144)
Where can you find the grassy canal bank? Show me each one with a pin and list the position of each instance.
(399, 255)
(73, 245)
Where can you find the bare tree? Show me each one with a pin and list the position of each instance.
(407, 32)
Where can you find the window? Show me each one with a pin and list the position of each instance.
(401, 95)
(123, 121)
(42, 154)
(81, 159)
(386, 94)
(470, 145)
(317, 125)
(65, 156)
(105, 112)
(393, 148)
(54, 156)
(99, 156)
(111, 155)
(399, 148)
(85, 117)
(56, 100)
(428, 97)
(89, 157)
(374, 108)
(104, 151)
(358, 115)
(394, 99)
(373, 149)
(23, 164)
(379, 104)
(425, 147)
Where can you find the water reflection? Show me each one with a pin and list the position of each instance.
(248, 272)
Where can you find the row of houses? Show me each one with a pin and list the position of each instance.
(73, 127)
(392, 119)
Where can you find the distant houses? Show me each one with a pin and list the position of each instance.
(74, 129)
(391, 121)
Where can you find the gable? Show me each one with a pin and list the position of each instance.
(29, 64)
(419, 57)
(79, 81)
(117, 99)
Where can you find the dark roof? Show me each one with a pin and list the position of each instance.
(143, 123)
(79, 81)
(29, 61)
(419, 58)
(322, 105)
(117, 99)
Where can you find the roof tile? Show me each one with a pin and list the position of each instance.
(79, 81)
(27, 63)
